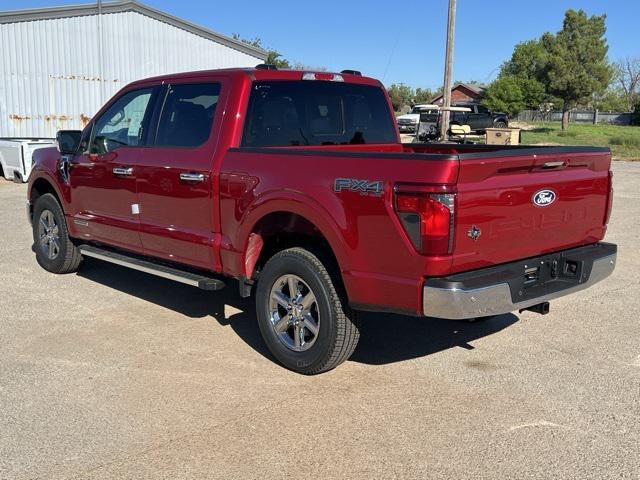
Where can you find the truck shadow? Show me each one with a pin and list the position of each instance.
(385, 338)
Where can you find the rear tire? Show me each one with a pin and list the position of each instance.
(302, 318)
(55, 252)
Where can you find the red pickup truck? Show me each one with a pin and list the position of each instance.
(295, 186)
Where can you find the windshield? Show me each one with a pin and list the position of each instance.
(298, 113)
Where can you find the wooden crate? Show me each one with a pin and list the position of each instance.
(503, 136)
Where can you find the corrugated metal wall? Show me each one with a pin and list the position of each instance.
(50, 75)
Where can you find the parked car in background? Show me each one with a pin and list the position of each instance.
(16, 156)
(295, 187)
(479, 118)
(429, 124)
(408, 123)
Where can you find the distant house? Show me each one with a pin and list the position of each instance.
(463, 93)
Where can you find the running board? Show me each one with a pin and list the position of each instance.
(194, 279)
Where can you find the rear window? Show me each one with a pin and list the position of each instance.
(187, 115)
(298, 113)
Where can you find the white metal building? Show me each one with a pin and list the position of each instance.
(59, 65)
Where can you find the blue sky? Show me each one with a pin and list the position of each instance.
(395, 41)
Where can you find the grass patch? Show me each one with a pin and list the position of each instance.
(624, 141)
(629, 141)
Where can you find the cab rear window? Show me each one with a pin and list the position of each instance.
(300, 113)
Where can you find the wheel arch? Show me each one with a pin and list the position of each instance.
(283, 229)
(286, 225)
(41, 186)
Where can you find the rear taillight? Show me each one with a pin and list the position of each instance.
(428, 219)
(607, 214)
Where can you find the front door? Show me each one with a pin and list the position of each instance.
(103, 177)
(175, 180)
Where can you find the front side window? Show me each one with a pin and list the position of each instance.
(187, 115)
(122, 124)
(298, 113)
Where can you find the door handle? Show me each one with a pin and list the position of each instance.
(126, 171)
(192, 177)
(553, 164)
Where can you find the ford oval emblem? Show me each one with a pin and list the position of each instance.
(544, 198)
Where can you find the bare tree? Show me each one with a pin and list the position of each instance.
(627, 75)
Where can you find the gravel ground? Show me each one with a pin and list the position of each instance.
(111, 373)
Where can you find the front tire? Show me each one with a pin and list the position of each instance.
(501, 124)
(55, 252)
(302, 318)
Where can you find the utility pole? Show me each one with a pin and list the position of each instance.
(448, 67)
(101, 82)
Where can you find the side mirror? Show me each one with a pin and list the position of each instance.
(68, 141)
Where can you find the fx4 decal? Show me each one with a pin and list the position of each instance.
(364, 187)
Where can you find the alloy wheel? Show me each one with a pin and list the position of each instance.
(294, 314)
(49, 235)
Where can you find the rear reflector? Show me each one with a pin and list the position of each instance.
(327, 77)
(428, 220)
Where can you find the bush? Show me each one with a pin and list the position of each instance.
(628, 141)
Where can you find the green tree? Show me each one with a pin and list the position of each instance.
(523, 75)
(627, 78)
(273, 56)
(505, 94)
(528, 66)
(424, 95)
(256, 42)
(577, 67)
(528, 60)
(401, 96)
(613, 99)
(471, 83)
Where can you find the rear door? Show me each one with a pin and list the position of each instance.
(512, 205)
(175, 181)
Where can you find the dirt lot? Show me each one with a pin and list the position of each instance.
(115, 374)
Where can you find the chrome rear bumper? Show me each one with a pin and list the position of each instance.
(450, 298)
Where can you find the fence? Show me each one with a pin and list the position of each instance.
(578, 116)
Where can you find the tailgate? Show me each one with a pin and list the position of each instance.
(519, 204)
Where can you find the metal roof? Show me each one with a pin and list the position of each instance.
(67, 11)
(478, 89)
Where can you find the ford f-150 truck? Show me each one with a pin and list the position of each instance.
(294, 186)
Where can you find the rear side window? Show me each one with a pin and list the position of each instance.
(187, 115)
(298, 113)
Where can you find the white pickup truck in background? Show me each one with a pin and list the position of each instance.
(16, 156)
(408, 123)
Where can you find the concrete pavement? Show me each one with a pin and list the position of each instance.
(111, 373)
